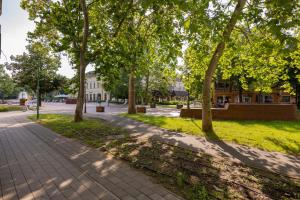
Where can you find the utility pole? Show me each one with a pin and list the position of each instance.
(38, 93)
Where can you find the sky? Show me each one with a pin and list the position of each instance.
(14, 27)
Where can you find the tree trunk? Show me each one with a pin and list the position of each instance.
(40, 99)
(298, 95)
(131, 92)
(240, 93)
(82, 67)
(206, 106)
(188, 99)
(147, 89)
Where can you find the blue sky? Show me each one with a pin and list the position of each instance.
(14, 27)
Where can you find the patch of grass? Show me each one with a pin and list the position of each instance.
(93, 132)
(6, 108)
(280, 136)
(166, 106)
(193, 175)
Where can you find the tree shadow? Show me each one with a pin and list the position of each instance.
(180, 168)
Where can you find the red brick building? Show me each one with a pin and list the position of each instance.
(224, 92)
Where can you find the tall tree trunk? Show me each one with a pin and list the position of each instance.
(206, 105)
(131, 92)
(83, 64)
(298, 95)
(147, 88)
(188, 99)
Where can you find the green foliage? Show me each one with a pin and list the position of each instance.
(199, 193)
(7, 86)
(180, 179)
(24, 68)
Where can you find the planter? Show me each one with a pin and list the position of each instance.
(179, 106)
(22, 102)
(71, 101)
(141, 109)
(152, 105)
(100, 109)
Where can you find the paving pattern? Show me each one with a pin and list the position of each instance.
(36, 163)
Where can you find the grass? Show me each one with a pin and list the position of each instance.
(6, 108)
(190, 174)
(280, 136)
(166, 106)
(93, 131)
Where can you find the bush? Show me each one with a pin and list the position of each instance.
(5, 108)
(169, 102)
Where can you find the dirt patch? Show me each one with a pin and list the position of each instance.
(199, 176)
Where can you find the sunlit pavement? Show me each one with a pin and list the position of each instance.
(109, 109)
(36, 163)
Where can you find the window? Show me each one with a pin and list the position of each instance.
(246, 99)
(94, 97)
(268, 99)
(98, 85)
(286, 99)
(105, 96)
(91, 97)
(90, 85)
(94, 85)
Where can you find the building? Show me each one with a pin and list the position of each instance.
(225, 92)
(94, 88)
(177, 91)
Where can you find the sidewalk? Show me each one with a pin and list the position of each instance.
(36, 163)
(284, 164)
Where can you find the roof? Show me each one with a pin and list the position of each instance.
(179, 93)
(90, 73)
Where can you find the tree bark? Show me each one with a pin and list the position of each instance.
(131, 92)
(83, 63)
(206, 105)
(147, 88)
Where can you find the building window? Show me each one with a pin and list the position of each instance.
(90, 85)
(91, 97)
(94, 85)
(246, 99)
(268, 99)
(285, 99)
(105, 96)
(94, 97)
(98, 85)
(99, 97)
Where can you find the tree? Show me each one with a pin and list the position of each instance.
(137, 28)
(206, 105)
(65, 26)
(7, 85)
(278, 18)
(24, 68)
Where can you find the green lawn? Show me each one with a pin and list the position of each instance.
(93, 131)
(281, 136)
(6, 108)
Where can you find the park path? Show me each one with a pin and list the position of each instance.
(288, 165)
(36, 163)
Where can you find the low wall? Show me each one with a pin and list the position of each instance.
(247, 112)
(71, 101)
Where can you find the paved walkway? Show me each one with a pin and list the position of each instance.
(36, 163)
(284, 164)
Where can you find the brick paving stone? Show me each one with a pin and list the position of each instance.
(36, 163)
